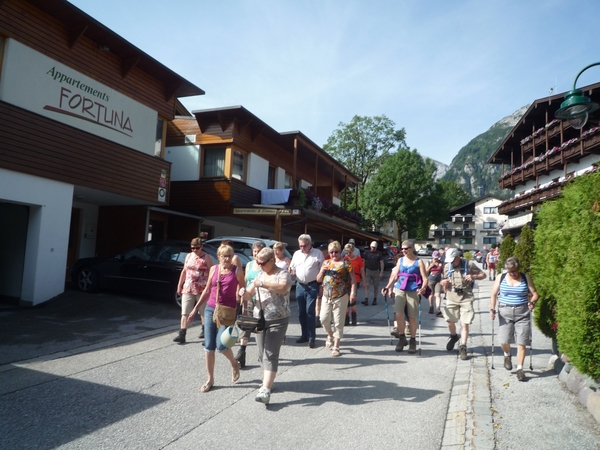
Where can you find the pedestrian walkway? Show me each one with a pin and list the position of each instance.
(116, 380)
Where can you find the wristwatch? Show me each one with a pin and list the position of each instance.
(493, 311)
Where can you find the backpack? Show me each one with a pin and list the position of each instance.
(503, 276)
(492, 258)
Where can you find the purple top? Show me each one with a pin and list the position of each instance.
(228, 292)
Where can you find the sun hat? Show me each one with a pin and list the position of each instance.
(452, 253)
(374, 244)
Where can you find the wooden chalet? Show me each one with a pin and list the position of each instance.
(247, 179)
(83, 120)
(541, 154)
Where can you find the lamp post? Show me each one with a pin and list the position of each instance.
(577, 107)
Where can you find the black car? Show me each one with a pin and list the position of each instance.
(389, 258)
(152, 269)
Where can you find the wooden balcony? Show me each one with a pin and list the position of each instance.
(523, 202)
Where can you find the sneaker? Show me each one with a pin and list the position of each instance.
(241, 357)
(263, 396)
(201, 335)
(311, 343)
(412, 346)
(365, 302)
(438, 313)
(462, 352)
(507, 363)
(401, 343)
(431, 310)
(451, 342)
(521, 375)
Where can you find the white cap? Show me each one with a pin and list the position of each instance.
(351, 241)
(374, 244)
(452, 253)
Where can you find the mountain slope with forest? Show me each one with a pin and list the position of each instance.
(469, 167)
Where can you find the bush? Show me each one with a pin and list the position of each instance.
(507, 249)
(525, 249)
(567, 271)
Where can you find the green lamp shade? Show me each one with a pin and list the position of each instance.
(575, 106)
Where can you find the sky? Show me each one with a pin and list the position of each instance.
(444, 70)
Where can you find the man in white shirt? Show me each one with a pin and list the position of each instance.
(305, 267)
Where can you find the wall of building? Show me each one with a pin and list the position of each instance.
(185, 162)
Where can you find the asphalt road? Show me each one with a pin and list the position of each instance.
(101, 371)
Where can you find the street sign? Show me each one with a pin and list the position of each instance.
(266, 211)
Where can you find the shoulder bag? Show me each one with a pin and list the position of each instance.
(251, 323)
(223, 315)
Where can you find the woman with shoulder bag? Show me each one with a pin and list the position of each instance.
(434, 276)
(224, 282)
(271, 289)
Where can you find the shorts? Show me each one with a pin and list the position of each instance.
(188, 301)
(492, 266)
(212, 334)
(435, 287)
(514, 322)
(407, 298)
(455, 311)
(372, 277)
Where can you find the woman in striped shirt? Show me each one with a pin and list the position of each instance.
(516, 297)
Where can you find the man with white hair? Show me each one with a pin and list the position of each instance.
(459, 277)
(356, 250)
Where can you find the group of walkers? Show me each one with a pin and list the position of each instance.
(327, 280)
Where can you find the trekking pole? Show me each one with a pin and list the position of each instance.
(493, 343)
(530, 342)
(387, 314)
(419, 325)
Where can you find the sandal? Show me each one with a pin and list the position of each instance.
(236, 372)
(206, 386)
(329, 341)
(335, 351)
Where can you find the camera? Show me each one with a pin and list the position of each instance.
(457, 290)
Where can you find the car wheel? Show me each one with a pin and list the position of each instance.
(177, 298)
(87, 279)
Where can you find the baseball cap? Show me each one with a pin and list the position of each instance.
(374, 244)
(452, 253)
(351, 241)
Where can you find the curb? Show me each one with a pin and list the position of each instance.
(577, 383)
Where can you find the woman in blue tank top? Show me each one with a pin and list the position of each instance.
(516, 297)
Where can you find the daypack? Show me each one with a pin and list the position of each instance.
(503, 276)
(465, 269)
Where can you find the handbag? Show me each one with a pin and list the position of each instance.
(223, 315)
(251, 323)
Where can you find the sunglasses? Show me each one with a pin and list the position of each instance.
(406, 248)
(196, 248)
(334, 252)
(263, 262)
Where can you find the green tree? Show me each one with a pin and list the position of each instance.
(525, 249)
(363, 145)
(400, 191)
(507, 249)
(453, 194)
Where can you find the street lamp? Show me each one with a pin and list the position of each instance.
(577, 107)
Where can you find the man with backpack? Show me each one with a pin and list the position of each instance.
(459, 277)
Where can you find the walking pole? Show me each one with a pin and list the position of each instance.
(419, 325)
(493, 320)
(387, 314)
(530, 342)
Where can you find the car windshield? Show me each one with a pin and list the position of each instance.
(143, 253)
(173, 253)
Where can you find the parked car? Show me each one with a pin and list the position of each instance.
(389, 259)
(152, 269)
(425, 251)
(242, 244)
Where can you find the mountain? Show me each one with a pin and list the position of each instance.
(469, 166)
(441, 169)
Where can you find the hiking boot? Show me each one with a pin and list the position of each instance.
(241, 357)
(365, 302)
(374, 302)
(180, 338)
(412, 346)
(451, 342)
(401, 343)
(318, 323)
(353, 318)
(201, 335)
(507, 363)
(263, 396)
(438, 313)
(462, 352)
(521, 375)
(431, 310)
(347, 321)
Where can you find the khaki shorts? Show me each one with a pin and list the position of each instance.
(514, 322)
(188, 301)
(404, 298)
(463, 311)
(372, 277)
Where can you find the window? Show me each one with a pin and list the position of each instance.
(466, 240)
(490, 225)
(445, 241)
(213, 164)
(489, 240)
(444, 226)
(239, 166)
(271, 180)
(465, 226)
(287, 184)
(158, 142)
(490, 210)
